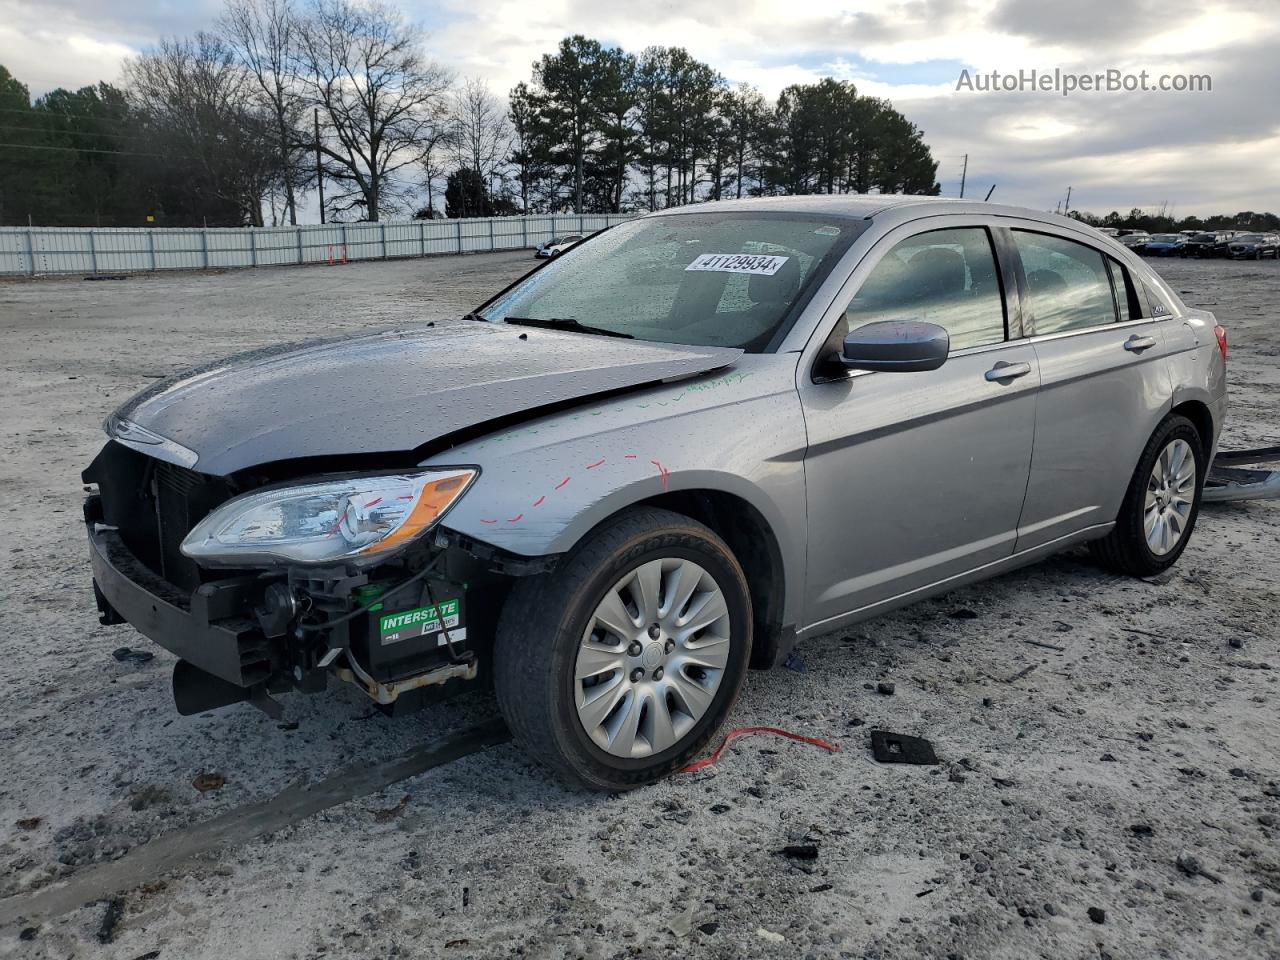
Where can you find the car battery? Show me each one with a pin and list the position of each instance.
(406, 635)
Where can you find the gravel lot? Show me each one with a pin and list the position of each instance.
(1092, 729)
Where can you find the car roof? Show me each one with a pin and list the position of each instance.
(873, 206)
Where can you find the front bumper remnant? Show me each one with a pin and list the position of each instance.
(202, 629)
(1227, 483)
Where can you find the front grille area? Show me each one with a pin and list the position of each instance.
(155, 504)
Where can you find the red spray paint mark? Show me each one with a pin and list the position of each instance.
(374, 502)
(662, 471)
(663, 474)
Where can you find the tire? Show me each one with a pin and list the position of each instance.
(551, 621)
(1127, 548)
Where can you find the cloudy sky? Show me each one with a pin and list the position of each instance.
(1196, 152)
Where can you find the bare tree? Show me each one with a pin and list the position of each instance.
(481, 133)
(381, 102)
(200, 115)
(264, 36)
(434, 169)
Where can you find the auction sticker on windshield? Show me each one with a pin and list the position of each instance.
(765, 266)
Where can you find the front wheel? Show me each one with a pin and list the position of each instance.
(1161, 503)
(617, 668)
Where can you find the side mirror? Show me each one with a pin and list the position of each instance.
(903, 346)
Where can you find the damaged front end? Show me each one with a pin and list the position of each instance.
(261, 586)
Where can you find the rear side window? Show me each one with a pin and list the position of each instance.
(1067, 283)
(947, 277)
(1127, 300)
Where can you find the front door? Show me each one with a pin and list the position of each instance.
(916, 477)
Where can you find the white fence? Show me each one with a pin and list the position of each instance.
(91, 250)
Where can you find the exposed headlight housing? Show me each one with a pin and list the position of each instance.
(360, 520)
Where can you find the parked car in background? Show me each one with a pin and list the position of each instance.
(557, 245)
(1135, 241)
(1163, 245)
(1212, 244)
(1254, 246)
(1108, 231)
(686, 443)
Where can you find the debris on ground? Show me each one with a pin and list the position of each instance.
(800, 851)
(110, 920)
(885, 687)
(795, 663)
(1190, 865)
(384, 816)
(745, 731)
(889, 747)
(682, 925)
(963, 613)
(204, 782)
(28, 823)
(1097, 915)
(1047, 646)
(127, 655)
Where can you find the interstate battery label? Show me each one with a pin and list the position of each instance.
(420, 622)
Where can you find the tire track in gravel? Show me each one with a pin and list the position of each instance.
(242, 824)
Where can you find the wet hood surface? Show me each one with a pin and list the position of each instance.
(393, 391)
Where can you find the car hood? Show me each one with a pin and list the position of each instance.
(389, 392)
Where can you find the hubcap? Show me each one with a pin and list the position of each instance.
(1171, 491)
(652, 657)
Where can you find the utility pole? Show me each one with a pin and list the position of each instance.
(315, 119)
(990, 192)
(1066, 207)
(963, 173)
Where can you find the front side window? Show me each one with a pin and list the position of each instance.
(947, 277)
(1067, 283)
(725, 279)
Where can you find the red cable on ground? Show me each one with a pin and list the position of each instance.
(742, 732)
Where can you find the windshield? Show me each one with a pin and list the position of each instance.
(724, 279)
(1250, 238)
(1166, 237)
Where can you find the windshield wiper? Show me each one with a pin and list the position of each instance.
(566, 323)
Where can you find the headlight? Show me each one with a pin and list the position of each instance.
(359, 520)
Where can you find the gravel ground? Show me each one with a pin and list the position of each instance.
(1092, 729)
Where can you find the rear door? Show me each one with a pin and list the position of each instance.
(916, 477)
(1104, 382)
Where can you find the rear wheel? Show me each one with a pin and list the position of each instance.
(619, 667)
(1161, 504)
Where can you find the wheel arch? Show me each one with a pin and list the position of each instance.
(1201, 418)
(748, 532)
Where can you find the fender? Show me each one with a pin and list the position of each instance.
(544, 484)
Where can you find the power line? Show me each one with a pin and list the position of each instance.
(59, 114)
(122, 153)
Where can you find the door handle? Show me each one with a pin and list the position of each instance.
(1137, 344)
(1004, 370)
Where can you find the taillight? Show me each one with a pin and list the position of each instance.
(1221, 334)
